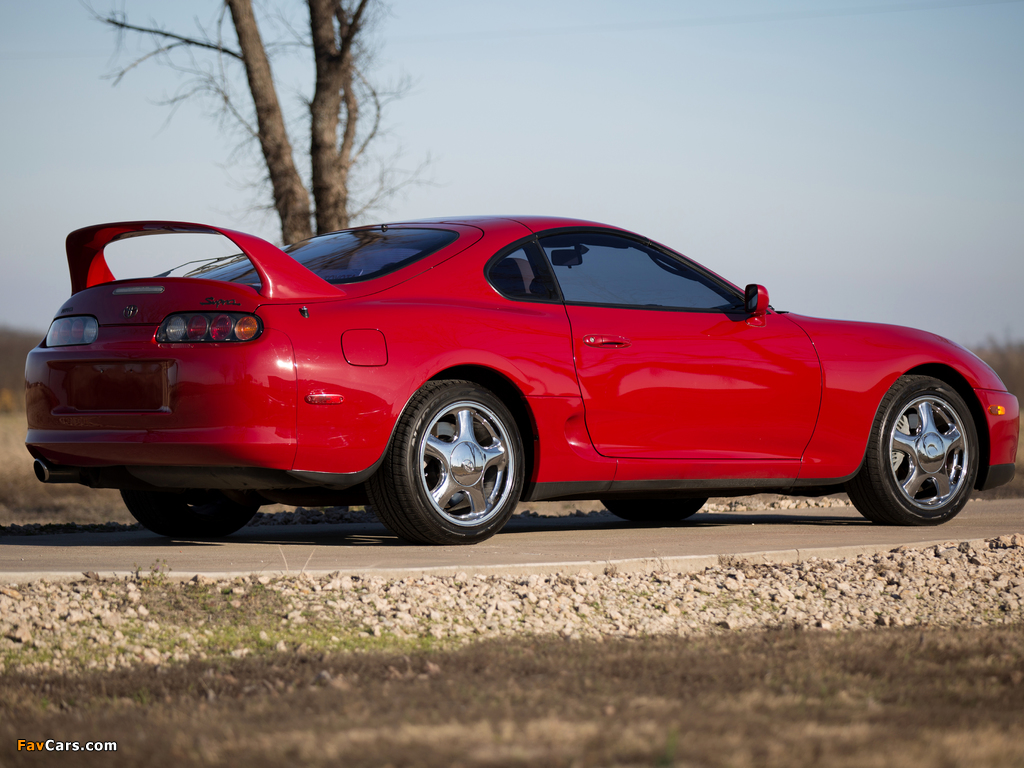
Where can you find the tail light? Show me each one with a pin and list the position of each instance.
(72, 331)
(209, 326)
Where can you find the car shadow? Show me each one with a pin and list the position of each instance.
(344, 534)
(376, 535)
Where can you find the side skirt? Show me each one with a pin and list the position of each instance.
(677, 488)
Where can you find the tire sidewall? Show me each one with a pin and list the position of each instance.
(914, 389)
(421, 421)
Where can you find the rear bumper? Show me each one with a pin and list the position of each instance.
(194, 405)
(146, 478)
(215, 446)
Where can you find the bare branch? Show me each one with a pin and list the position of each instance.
(119, 74)
(116, 21)
(388, 186)
(378, 110)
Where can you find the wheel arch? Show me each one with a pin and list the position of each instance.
(958, 382)
(513, 398)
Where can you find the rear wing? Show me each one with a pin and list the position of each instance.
(281, 276)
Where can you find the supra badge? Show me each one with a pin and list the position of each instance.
(212, 302)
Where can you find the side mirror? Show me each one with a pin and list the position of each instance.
(755, 302)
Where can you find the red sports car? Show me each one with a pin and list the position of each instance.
(445, 370)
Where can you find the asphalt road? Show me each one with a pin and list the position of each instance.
(527, 545)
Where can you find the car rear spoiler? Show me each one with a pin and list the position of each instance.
(281, 276)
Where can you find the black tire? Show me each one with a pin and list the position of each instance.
(443, 481)
(665, 511)
(922, 456)
(188, 515)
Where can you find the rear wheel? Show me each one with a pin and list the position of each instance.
(654, 510)
(454, 471)
(188, 515)
(922, 456)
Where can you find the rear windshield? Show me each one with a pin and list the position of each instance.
(342, 257)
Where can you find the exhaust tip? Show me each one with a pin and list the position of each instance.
(52, 473)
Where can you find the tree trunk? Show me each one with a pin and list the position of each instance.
(290, 197)
(331, 158)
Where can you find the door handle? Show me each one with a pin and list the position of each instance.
(607, 342)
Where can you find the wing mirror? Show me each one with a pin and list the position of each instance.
(755, 302)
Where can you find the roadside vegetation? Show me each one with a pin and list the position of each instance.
(917, 698)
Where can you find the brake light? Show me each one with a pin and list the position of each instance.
(227, 327)
(197, 327)
(221, 327)
(72, 331)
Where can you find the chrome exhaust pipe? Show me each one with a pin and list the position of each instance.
(53, 473)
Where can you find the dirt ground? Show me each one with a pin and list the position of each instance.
(896, 697)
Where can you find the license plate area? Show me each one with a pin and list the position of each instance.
(116, 386)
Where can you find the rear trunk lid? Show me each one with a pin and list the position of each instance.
(146, 302)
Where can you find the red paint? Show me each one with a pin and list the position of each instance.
(365, 347)
(611, 394)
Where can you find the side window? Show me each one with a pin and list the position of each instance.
(522, 274)
(596, 268)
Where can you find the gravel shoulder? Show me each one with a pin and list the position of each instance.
(146, 618)
(914, 655)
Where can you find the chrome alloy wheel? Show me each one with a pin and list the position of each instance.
(467, 468)
(929, 456)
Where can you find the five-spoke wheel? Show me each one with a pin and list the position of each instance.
(454, 471)
(922, 456)
(928, 452)
(466, 462)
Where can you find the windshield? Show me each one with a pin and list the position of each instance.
(341, 257)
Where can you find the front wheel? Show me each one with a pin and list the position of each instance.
(664, 511)
(188, 515)
(922, 456)
(454, 471)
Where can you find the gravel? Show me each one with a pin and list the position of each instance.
(46, 625)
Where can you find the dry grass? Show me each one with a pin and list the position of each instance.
(789, 699)
(23, 499)
(14, 348)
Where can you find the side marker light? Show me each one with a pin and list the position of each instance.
(996, 410)
(323, 398)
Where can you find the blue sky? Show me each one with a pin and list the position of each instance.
(863, 160)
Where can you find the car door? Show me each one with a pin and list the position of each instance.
(668, 364)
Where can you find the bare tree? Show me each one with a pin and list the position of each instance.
(344, 110)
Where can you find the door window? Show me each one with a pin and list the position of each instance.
(598, 268)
